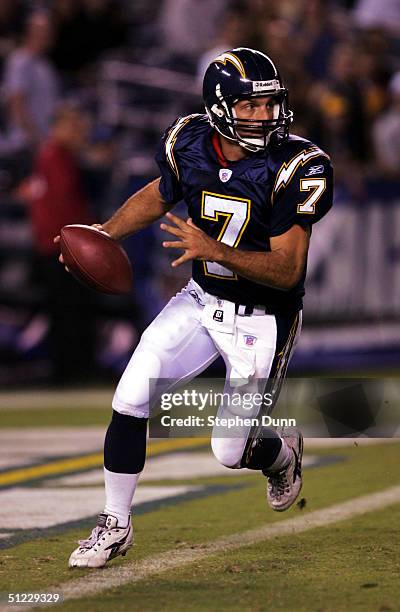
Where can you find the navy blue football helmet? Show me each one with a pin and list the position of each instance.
(240, 74)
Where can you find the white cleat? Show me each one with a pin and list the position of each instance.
(106, 541)
(284, 486)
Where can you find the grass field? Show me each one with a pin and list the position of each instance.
(186, 506)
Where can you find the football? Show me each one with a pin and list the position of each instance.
(95, 259)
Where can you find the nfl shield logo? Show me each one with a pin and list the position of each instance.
(250, 340)
(225, 174)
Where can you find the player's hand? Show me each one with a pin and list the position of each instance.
(195, 242)
(57, 239)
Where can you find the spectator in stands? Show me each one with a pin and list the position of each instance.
(57, 198)
(187, 26)
(30, 85)
(278, 42)
(11, 12)
(373, 78)
(371, 14)
(386, 133)
(315, 37)
(339, 124)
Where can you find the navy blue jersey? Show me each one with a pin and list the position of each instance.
(245, 203)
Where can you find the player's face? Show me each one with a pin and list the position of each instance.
(255, 108)
(259, 109)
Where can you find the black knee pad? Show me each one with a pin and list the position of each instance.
(125, 444)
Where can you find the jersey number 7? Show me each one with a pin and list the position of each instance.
(235, 214)
(318, 187)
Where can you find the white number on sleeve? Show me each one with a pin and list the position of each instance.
(317, 185)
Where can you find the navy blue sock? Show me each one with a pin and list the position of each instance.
(125, 444)
(264, 451)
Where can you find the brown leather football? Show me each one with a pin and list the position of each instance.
(95, 259)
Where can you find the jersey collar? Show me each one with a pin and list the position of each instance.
(240, 166)
(223, 162)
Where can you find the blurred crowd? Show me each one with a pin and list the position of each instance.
(62, 160)
(341, 63)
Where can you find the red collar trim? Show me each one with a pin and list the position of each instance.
(217, 147)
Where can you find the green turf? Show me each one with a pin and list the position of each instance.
(353, 565)
(58, 417)
(366, 469)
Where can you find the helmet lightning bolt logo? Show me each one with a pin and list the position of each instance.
(233, 59)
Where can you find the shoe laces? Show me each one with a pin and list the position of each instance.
(93, 538)
(279, 483)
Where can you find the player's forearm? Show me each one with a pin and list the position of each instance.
(138, 212)
(275, 268)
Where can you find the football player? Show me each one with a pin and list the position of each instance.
(253, 193)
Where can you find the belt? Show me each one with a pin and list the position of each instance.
(244, 310)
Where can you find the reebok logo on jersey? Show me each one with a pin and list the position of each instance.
(314, 170)
(196, 296)
(225, 174)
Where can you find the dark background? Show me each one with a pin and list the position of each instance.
(132, 68)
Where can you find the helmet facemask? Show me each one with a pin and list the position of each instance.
(253, 135)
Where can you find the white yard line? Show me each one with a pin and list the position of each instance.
(44, 507)
(134, 571)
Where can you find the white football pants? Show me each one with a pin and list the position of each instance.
(187, 336)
